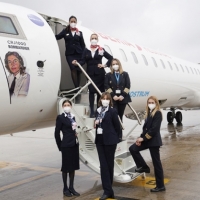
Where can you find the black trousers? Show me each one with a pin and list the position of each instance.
(155, 156)
(120, 109)
(106, 155)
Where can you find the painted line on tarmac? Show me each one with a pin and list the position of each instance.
(12, 185)
(148, 182)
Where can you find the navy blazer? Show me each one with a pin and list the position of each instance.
(151, 130)
(74, 44)
(124, 85)
(69, 138)
(111, 127)
(92, 62)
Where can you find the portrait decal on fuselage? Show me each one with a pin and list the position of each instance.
(18, 78)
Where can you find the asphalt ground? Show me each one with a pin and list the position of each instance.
(30, 166)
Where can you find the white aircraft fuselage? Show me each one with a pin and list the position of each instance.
(176, 84)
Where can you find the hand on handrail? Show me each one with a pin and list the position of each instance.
(74, 62)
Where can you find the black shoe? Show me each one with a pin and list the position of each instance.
(67, 193)
(74, 192)
(143, 169)
(156, 189)
(105, 196)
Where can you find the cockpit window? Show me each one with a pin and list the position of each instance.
(7, 26)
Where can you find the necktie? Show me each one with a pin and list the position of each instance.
(12, 86)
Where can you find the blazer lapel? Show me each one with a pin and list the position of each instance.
(113, 78)
(120, 77)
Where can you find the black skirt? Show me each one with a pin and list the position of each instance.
(70, 158)
(72, 57)
(98, 79)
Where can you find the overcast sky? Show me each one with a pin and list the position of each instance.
(168, 26)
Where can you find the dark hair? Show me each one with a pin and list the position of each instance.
(108, 97)
(68, 26)
(67, 101)
(72, 17)
(13, 53)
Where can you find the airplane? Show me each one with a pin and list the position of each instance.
(31, 36)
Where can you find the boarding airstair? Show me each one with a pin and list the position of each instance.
(124, 167)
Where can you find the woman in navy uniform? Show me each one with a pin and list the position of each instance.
(75, 45)
(150, 139)
(118, 84)
(107, 136)
(68, 146)
(95, 68)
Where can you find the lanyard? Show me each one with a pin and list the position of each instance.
(117, 77)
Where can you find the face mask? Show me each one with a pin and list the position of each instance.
(93, 42)
(105, 103)
(115, 67)
(73, 25)
(67, 109)
(151, 106)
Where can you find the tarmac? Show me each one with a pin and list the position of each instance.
(30, 166)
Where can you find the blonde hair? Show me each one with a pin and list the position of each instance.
(157, 108)
(94, 34)
(120, 66)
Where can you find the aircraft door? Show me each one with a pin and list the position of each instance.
(66, 81)
(4, 88)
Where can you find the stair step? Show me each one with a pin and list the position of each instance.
(131, 170)
(124, 155)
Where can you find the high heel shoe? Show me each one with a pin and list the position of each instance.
(74, 192)
(67, 193)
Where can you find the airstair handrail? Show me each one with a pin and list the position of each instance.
(100, 93)
(135, 113)
(97, 89)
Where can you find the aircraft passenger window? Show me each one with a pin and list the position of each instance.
(198, 71)
(191, 70)
(7, 26)
(170, 65)
(182, 68)
(123, 55)
(162, 64)
(187, 69)
(154, 61)
(134, 57)
(176, 66)
(195, 71)
(145, 60)
(107, 48)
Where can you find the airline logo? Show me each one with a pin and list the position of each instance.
(139, 93)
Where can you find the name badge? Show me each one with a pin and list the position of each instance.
(99, 131)
(118, 91)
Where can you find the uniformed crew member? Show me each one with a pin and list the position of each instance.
(75, 45)
(118, 84)
(68, 146)
(95, 68)
(107, 137)
(150, 139)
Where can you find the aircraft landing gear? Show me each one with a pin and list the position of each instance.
(178, 117)
(171, 115)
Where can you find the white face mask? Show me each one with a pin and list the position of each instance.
(94, 42)
(105, 103)
(73, 25)
(115, 67)
(67, 109)
(151, 106)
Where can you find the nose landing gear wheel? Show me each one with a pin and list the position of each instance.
(178, 117)
(170, 117)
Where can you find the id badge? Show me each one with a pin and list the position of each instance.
(99, 131)
(118, 91)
